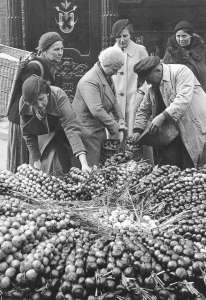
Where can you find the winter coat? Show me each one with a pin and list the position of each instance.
(125, 82)
(97, 109)
(193, 56)
(185, 103)
(38, 134)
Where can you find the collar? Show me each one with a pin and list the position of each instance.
(165, 74)
(130, 50)
(107, 77)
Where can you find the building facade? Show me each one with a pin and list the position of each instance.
(86, 25)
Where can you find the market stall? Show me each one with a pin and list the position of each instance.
(126, 231)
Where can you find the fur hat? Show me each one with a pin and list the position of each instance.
(146, 65)
(47, 39)
(185, 25)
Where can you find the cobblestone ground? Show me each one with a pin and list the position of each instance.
(3, 142)
(3, 154)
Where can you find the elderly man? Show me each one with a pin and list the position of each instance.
(175, 97)
(96, 105)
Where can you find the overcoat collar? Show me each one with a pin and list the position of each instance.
(130, 50)
(107, 88)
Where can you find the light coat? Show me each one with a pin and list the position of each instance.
(125, 82)
(97, 110)
(185, 103)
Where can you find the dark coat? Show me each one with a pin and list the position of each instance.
(60, 115)
(194, 56)
(30, 68)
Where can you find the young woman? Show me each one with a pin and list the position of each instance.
(187, 48)
(49, 127)
(125, 81)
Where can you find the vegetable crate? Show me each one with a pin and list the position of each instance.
(10, 59)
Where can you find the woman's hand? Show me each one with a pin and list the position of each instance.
(86, 168)
(84, 164)
(121, 136)
(37, 164)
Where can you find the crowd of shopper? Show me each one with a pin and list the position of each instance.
(159, 104)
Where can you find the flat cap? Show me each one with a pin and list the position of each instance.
(146, 65)
(185, 25)
(118, 26)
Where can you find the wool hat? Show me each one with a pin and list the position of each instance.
(185, 25)
(118, 26)
(32, 87)
(47, 39)
(146, 65)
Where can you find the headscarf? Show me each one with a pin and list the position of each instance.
(47, 39)
(32, 87)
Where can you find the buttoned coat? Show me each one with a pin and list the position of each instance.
(97, 109)
(185, 103)
(125, 82)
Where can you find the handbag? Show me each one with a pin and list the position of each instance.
(163, 137)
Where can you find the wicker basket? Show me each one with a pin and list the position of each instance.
(17, 53)
(110, 147)
(9, 65)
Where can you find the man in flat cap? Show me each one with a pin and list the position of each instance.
(175, 97)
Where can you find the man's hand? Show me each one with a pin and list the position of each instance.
(156, 123)
(37, 164)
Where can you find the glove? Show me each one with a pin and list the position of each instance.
(156, 123)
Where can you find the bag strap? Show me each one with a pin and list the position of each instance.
(40, 66)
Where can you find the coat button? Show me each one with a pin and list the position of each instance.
(122, 94)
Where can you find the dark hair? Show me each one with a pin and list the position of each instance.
(33, 86)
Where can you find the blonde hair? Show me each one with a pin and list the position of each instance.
(111, 56)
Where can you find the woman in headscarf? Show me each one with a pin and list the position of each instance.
(125, 81)
(187, 48)
(45, 64)
(44, 112)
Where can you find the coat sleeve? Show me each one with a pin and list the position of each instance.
(33, 146)
(69, 122)
(117, 111)
(90, 92)
(144, 113)
(30, 69)
(31, 140)
(184, 86)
